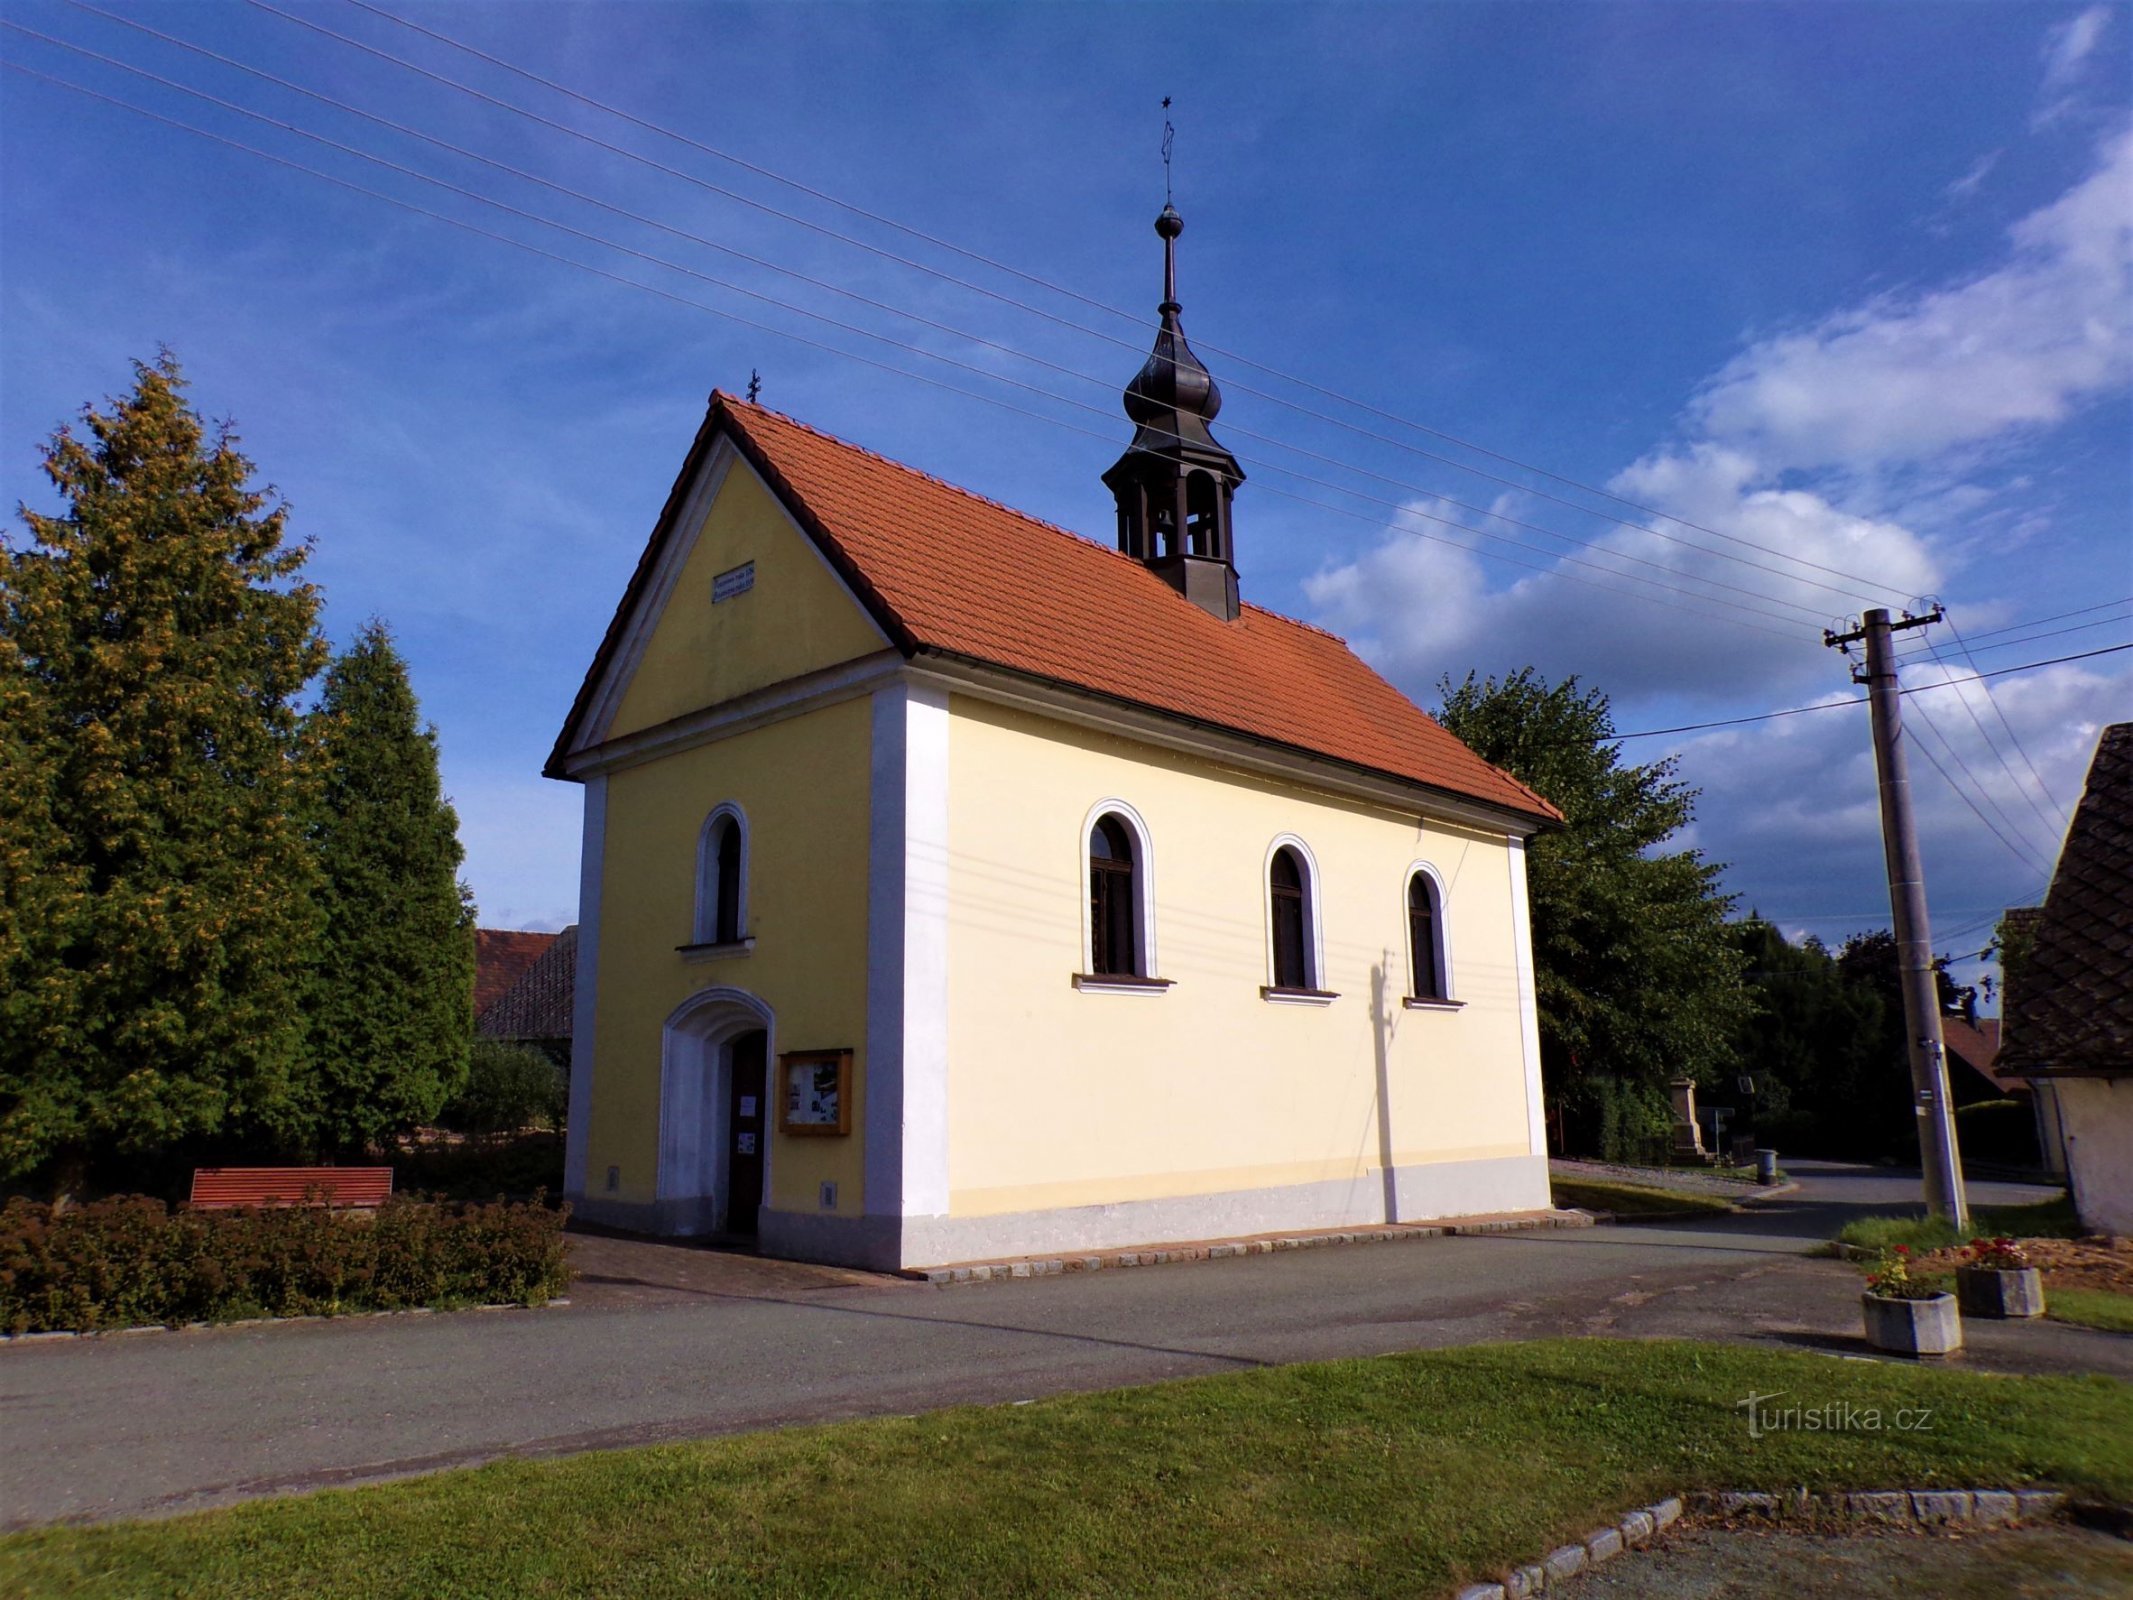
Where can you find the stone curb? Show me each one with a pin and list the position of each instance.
(1164, 1256)
(58, 1335)
(1560, 1565)
(1926, 1508)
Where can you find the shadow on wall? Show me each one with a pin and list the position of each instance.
(1381, 1031)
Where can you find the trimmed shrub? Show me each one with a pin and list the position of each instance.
(509, 1087)
(132, 1261)
(510, 1166)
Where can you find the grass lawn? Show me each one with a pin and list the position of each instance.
(2091, 1308)
(1396, 1476)
(1631, 1199)
(2048, 1219)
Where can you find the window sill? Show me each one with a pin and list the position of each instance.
(1412, 1004)
(1275, 995)
(1118, 983)
(715, 952)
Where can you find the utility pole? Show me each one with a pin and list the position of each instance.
(1907, 902)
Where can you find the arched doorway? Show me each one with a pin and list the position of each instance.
(714, 1124)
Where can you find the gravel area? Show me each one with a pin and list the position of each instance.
(1690, 1180)
(2056, 1562)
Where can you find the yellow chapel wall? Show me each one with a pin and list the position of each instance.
(803, 787)
(797, 618)
(1059, 1097)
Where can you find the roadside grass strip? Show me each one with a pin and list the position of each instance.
(1634, 1199)
(2101, 1309)
(1393, 1476)
(2048, 1219)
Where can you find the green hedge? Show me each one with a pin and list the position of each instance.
(132, 1261)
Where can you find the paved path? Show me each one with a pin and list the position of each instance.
(157, 1423)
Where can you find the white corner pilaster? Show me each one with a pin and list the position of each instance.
(907, 955)
(586, 988)
(1528, 1007)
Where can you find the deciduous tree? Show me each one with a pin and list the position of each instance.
(1636, 978)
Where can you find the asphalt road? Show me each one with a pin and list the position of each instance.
(159, 1423)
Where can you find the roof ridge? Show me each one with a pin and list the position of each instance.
(905, 467)
(735, 402)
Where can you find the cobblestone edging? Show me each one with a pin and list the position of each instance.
(1167, 1255)
(1927, 1508)
(59, 1334)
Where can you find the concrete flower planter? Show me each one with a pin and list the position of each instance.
(2000, 1291)
(1929, 1327)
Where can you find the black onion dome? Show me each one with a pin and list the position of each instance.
(1171, 380)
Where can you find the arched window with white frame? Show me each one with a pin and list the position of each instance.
(1296, 955)
(1429, 966)
(722, 877)
(1118, 897)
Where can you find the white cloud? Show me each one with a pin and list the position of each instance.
(1792, 447)
(2067, 48)
(1795, 802)
(1902, 379)
(1968, 184)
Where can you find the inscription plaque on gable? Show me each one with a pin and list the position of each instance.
(733, 582)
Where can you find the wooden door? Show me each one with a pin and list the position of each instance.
(746, 1124)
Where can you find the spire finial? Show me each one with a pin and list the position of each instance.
(755, 384)
(1169, 135)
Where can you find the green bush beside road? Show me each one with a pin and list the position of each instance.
(134, 1262)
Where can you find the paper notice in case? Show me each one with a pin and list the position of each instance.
(814, 1088)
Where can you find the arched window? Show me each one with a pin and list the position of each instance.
(1202, 515)
(1427, 971)
(1287, 890)
(1114, 951)
(722, 878)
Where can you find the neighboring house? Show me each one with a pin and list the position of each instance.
(1977, 1080)
(955, 886)
(537, 1009)
(2067, 1011)
(501, 957)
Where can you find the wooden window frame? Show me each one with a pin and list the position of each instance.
(1142, 979)
(1443, 999)
(706, 935)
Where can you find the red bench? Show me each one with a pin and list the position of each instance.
(218, 1188)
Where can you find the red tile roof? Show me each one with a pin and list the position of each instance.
(542, 1003)
(948, 572)
(501, 957)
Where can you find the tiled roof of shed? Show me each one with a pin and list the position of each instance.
(541, 1004)
(947, 571)
(2070, 1009)
(500, 956)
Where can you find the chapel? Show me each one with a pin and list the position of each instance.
(957, 887)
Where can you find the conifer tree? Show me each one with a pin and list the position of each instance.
(158, 894)
(391, 1012)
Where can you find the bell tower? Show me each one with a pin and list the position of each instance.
(1173, 485)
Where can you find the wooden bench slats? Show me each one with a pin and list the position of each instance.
(221, 1187)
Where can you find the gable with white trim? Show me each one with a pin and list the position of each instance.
(785, 612)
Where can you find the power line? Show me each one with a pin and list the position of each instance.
(1831, 705)
(2013, 738)
(2020, 850)
(1871, 586)
(2032, 638)
(1760, 595)
(951, 388)
(1401, 509)
(2051, 827)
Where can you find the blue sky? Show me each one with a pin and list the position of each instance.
(1846, 283)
